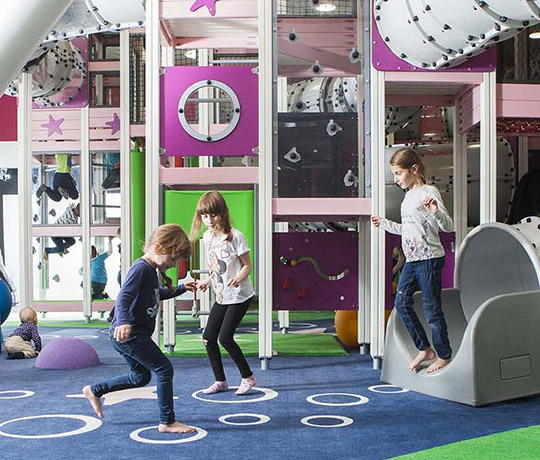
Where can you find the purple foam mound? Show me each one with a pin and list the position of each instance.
(67, 353)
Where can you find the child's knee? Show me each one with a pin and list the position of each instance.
(226, 340)
(142, 379)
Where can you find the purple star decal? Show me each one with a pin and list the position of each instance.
(53, 126)
(114, 124)
(210, 4)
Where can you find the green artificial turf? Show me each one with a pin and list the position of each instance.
(283, 345)
(520, 444)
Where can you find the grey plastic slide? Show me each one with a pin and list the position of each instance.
(493, 318)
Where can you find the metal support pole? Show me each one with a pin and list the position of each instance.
(169, 306)
(364, 317)
(267, 128)
(125, 155)
(488, 149)
(378, 164)
(85, 206)
(24, 145)
(460, 181)
(152, 125)
(204, 57)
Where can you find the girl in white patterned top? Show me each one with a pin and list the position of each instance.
(422, 216)
(229, 265)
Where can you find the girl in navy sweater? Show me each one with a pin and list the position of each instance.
(134, 322)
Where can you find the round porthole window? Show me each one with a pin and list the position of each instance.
(216, 99)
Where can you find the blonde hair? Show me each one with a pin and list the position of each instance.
(28, 314)
(406, 158)
(211, 203)
(172, 240)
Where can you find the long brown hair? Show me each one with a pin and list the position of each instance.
(172, 240)
(406, 158)
(211, 203)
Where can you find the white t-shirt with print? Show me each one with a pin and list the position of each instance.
(223, 259)
(419, 229)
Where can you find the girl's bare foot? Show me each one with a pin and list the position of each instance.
(94, 401)
(423, 355)
(175, 428)
(439, 364)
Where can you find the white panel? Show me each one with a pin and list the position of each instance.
(24, 24)
(438, 34)
(120, 11)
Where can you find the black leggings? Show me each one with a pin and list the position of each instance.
(222, 322)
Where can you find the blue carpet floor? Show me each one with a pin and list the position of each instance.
(386, 426)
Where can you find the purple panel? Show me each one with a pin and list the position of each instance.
(384, 59)
(245, 137)
(81, 98)
(300, 287)
(447, 240)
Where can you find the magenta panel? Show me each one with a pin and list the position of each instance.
(448, 242)
(241, 141)
(384, 59)
(8, 118)
(304, 286)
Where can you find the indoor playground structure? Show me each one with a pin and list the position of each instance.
(116, 117)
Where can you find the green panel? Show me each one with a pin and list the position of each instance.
(179, 208)
(137, 202)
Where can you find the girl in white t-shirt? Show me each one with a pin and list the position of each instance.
(229, 265)
(422, 216)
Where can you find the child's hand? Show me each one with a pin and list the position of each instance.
(191, 286)
(234, 282)
(203, 285)
(122, 333)
(431, 205)
(168, 283)
(376, 221)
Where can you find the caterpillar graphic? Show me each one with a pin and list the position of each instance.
(324, 276)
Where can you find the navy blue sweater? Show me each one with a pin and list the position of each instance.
(138, 300)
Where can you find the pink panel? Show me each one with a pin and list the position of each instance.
(209, 176)
(245, 137)
(8, 119)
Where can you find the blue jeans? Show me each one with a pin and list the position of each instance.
(143, 357)
(426, 276)
(62, 243)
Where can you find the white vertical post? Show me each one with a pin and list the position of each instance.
(364, 265)
(204, 56)
(152, 116)
(523, 156)
(378, 164)
(267, 94)
(24, 145)
(488, 148)
(282, 96)
(125, 154)
(460, 181)
(152, 126)
(169, 306)
(85, 206)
